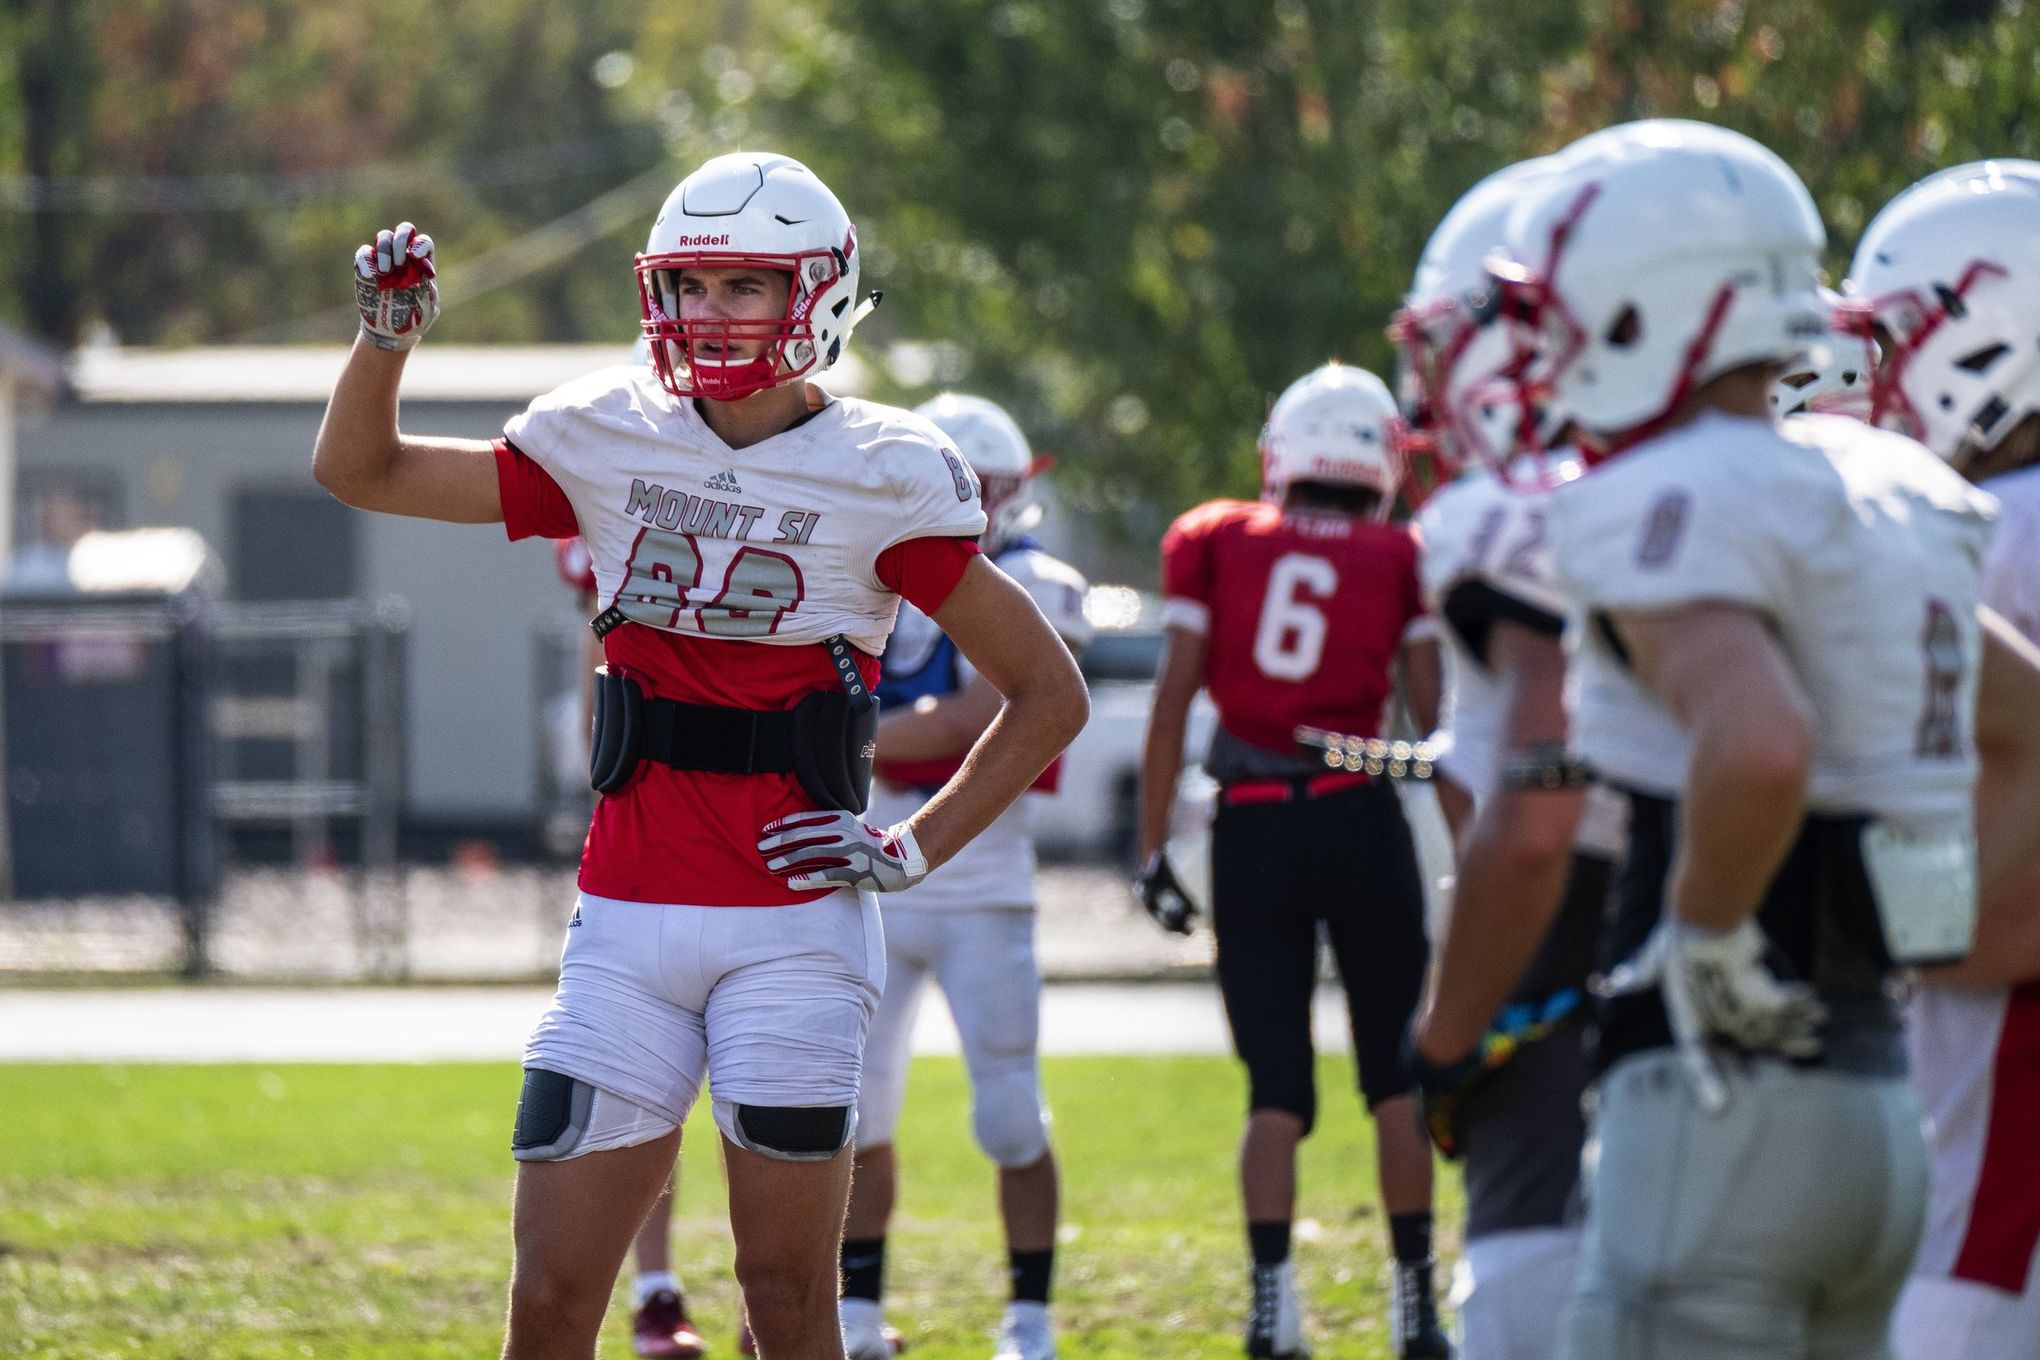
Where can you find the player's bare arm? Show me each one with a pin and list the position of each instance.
(935, 726)
(1420, 678)
(2006, 950)
(360, 455)
(1513, 864)
(1001, 632)
(1720, 670)
(1179, 678)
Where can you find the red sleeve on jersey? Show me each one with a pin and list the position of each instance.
(533, 504)
(1186, 552)
(922, 571)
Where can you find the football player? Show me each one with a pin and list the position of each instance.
(1780, 662)
(970, 926)
(1500, 1040)
(1297, 611)
(659, 1323)
(752, 537)
(1947, 280)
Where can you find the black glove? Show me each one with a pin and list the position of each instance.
(1163, 897)
(1442, 1092)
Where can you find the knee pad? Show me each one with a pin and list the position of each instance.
(788, 1133)
(1008, 1119)
(561, 1117)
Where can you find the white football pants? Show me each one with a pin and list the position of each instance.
(983, 960)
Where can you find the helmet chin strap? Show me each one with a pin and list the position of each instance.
(864, 309)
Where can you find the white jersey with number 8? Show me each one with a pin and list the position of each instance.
(1860, 548)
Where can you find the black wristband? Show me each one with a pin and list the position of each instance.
(1545, 766)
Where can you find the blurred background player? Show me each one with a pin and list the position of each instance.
(753, 536)
(1947, 280)
(659, 1324)
(1781, 653)
(970, 926)
(1299, 610)
(1499, 1043)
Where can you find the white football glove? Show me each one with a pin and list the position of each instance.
(394, 289)
(835, 850)
(1715, 986)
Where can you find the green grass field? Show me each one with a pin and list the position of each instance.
(222, 1213)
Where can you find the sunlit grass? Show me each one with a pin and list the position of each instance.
(338, 1211)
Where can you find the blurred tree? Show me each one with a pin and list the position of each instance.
(50, 80)
(1133, 221)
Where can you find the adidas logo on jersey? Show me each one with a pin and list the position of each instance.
(726, 480)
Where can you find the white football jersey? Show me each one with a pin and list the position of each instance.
(1976, 1051)
(774, 543)
(2011, 570)
(996, 869)
(1481, 539)
(1487, 555)
(1864, 552)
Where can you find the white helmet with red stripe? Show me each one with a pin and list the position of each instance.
(1831, 378)
(750, 208)
(1947, 277)
(991, 442)
(1660, 255)
(1335, 425)
(1453, 354)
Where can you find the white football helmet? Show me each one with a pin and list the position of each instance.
(1336, 425)
(750, 208)
(1832, 378)
(991, 442)
(1659, 255)
(1947, 278)
(1454, 361)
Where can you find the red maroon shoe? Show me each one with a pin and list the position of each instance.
(661, 1328)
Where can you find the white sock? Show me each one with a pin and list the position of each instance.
(649, 1282)
(862, 1310)
(1027, 1310)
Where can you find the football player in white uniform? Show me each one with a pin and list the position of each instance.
(1781, 659)
(752, 538)
(1947, 277)
(1499, 1043)
(970, 926)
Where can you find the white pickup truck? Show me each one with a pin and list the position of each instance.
(1094, 814)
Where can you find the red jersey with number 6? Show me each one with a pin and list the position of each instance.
(1305, 612)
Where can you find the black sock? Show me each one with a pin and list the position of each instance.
(1269, 1242)
(1031, 1272)
(864, 1268)
(1410, 1235)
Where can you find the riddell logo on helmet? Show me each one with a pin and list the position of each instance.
(722, 240)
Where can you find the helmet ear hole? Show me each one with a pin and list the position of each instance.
(1981, 361)
(1626, 330)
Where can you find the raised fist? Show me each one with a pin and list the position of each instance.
(393, 287)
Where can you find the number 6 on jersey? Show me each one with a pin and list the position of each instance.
(1289, 641)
